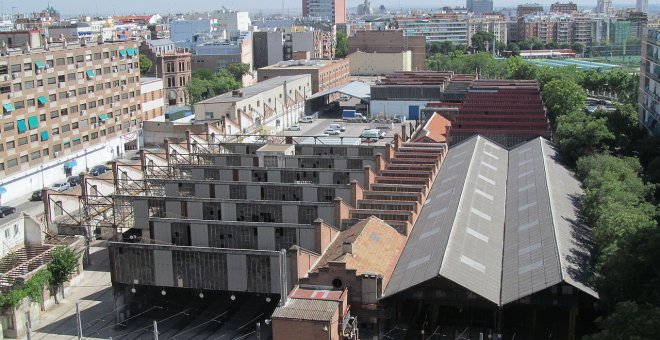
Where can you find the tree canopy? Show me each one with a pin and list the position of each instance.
(562, 98)
(206, 84)
(145, 64)
(482, 40)
(341, 51)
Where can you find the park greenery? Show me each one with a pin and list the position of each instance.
(618, 165)
(341, 51)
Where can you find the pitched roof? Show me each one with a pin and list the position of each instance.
(435, 129)
(500, 223)
(307, 309)
(376, 246)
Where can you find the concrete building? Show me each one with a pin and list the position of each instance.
(642, 6)
(379, 64)
(153, 97)
(232, 20)
(479, 6)
(22, 39)
(65, 110)
(390, 41)
(649, 83)
(172, 65)
(319, 43)
(406, 94)
(325, 74)
(271, 105)
(567, 7)
(604, 6)
(492, 23)
(267, 48)
(527, 9)
(332, 10)
(557, 28)
(451, 27)
(183, 32)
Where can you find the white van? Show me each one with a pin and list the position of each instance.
(371, 134)
(337, 127)
(307, 119)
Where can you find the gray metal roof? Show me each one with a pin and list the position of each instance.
(355, 89)
(253, 90)
(499, 223)
(307, 309)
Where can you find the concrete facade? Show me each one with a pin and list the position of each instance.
(391, 41)
(373, 64)
(153, 101)
(325, 74)
(649, 83)
(267, 48)
(332, 10)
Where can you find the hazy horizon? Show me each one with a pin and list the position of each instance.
(76, 7)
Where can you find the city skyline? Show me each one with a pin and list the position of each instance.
(75, 7)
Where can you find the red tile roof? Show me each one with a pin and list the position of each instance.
(435, 130)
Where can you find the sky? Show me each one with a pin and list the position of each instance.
(93, 7)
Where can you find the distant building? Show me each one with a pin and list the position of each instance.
(642, 6)
(267, 48)
(649, 83)
(604, 6)
(557, 28)
(325, 74)
(320, 44)
(332, 10)
(390, 41)
(568, 7)
(479, 6)
(22, 39)
(216, 55)
(172, 65)
(153, 98)
(375, 64)
(527, 9)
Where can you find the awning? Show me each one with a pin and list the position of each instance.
(70, 164)
(2, 190)
(77, 139)
(33, 122)
(103, 117)
(9, 107)
(90, 74)
(122, 53)
(130, 52)
(40, 64)
(42, 100)
(44, 136)
(20, 124)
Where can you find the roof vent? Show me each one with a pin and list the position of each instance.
(237, 93)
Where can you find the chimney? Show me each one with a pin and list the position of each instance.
(347, 247)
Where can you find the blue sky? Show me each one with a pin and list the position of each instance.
(92, 7)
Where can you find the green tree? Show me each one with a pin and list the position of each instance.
(552, 46)
(518, 68)
(202, 73)
(341, 50)
(563, 97)
(514, 48)
(629, 320)
(578, 47)
(531, 43)
(238, 70)
(482, 40)
(623, 123)
(145, 64)
(581, 135)
(64, 262)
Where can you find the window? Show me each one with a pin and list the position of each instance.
(55, 131)
(59, 61)
(52, 97)
(66, 128)
(8, 126)
(42, 117)
(18, 87)
(3, 69)
(71, 76)
(52, 80)
(16, 68)
(35, 155)
(27, 67)
(29, 84)
(24, 159)
(34, 138)
(45, 152)
(19, 104)
(80, 58)
(50, 63)
(74, 125)
(22, 141)
(12, 163)
(57, 147)
(30, 102)
(97, 56)
(54, 114)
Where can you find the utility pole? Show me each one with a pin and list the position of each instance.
(155, 330)
(79, 322)
(258, 331)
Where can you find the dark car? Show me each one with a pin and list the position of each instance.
(6, 210)
(36, 196)
(74, 180)
(97, 170)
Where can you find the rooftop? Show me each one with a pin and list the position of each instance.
(300, 64)
(253, 90)
(306, 309)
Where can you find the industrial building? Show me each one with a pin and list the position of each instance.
(508, 112)
(390, 41)
(498, 250)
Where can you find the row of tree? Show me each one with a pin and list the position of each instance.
(483, 41)
(205, 84)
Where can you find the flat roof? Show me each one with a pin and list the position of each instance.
(355, 89)
(253, 90)
(300, 64)
(275, 147)
(307, 309)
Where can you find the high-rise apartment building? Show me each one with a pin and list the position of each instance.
(567, 7)
(649, 83)
(603, 6)
(527, 9)
(333, 10)
(479, 6)
(64, 110)
(642, 6)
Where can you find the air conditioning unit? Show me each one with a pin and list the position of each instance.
(46, 66)
(5, 77)
(123, 87)
(56, 153)
(83, 112)
(10, 95)
(79, 65)
(14, 75)
(62, 85)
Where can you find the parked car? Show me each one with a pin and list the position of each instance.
(36, 196)
(74, 180)
(294, 128)
(344, 98)
(97, 170)
(62, 186)
(6, 210)
(371, 134)
(338, 127)
(331, 131)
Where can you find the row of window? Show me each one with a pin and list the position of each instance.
(4, 69)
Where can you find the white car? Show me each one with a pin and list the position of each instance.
(337, 127)
(344, 98)
(59, 187)
(294, 128)
(331, 131)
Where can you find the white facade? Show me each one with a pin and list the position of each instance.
(231, 20)
(184, 30)
(391, 108)
(23, 183)
(148, 85)
(373, 64)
